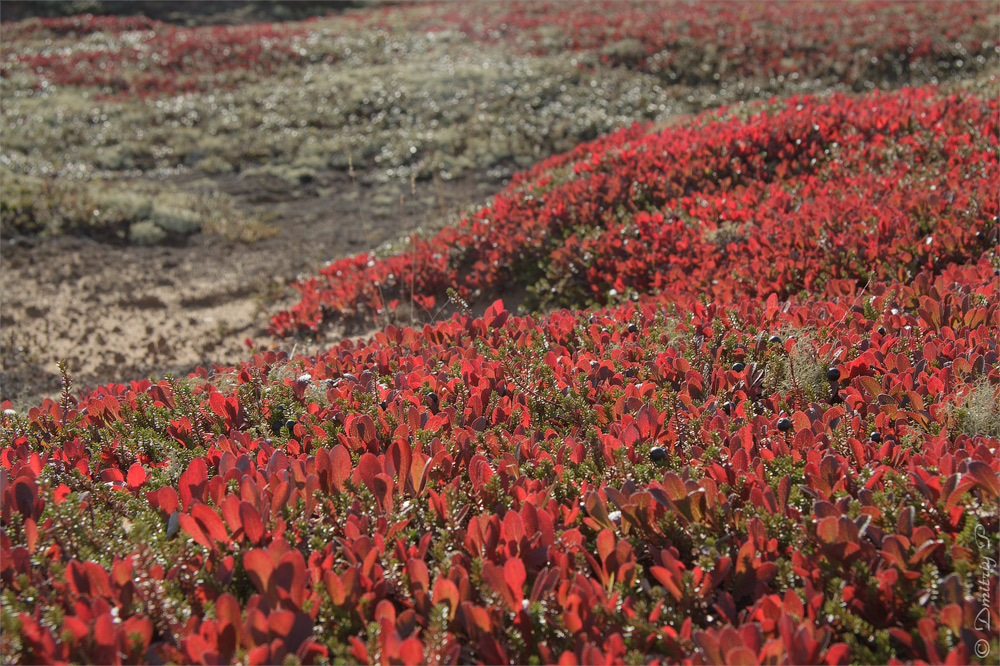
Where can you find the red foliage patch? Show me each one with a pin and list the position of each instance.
(812, 195)
(779, 452)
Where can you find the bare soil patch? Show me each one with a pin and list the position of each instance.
(121, 312)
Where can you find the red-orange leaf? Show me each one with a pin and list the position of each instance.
(211, 522)
(253, 527)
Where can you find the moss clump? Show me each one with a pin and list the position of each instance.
(146, 232)
(176, 220)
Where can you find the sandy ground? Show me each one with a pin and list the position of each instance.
(117, 313)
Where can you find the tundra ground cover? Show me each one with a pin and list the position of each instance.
(866, 45)
(765, 430)
(482, 490)
(432, 91)
(803, 478)
(793, 196)
(432, 106)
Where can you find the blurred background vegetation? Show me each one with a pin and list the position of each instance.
(200, 12)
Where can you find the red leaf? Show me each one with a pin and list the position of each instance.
(801, 422)
(253, 527)
(193, 528)
(351, 579)
(335, 588)
(280, 498)
(31, 534)
(259, 567)
(495, 316)
(838, 655)
(218, 404)
(828, 530)
(647, 420)
(418, 574)
(164, 499)
(211, 522)
(359, 651)
(112, 406)
(674, 486)
(230, 509)
(605, 544)
(445, 591)
(784, 489)
(385, 612)
(104, 630)
(289, 577)
(368, 468)
(25, 496)
(227, 609)
(136, 476)
(412, 652)
(112, 475)
(985, 478)
(741, 656)
(383, 492)
(666, 579)
(260, 655)
(495, 577)
(134, 637)
(361, 426)
(803, 439)
(871, 385)
(951, 617)
(292, 627)
(193, 483)
(88, 578)
(74, 629)
(60, 493)
(515, 575)
(402, 458)
(340, 463)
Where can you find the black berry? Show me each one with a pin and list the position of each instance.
(774, 339)
(738, 367)
(833, 374)
(881, 330)
(657, 453)
(876, 436)
(290, 425)
(633, 329)
(277, 416)
(784, 424)
(727, 407)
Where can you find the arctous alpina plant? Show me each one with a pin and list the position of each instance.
(751, 420)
